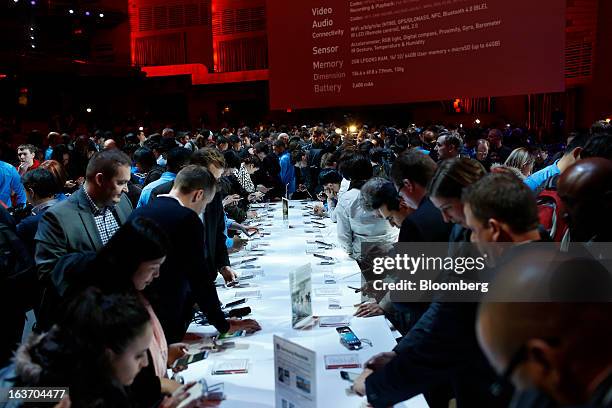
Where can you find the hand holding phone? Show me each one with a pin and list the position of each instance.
(238, 333)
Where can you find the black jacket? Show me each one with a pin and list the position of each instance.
(440, 349)
(425, 225)
(185, 275)
(214, 225)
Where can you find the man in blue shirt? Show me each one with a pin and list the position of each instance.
(287, 172)
(570, 156)
(10, 182)
(178, 158)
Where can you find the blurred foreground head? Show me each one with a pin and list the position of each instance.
(547, 324)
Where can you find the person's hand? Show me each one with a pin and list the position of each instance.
(251, 214)
(70, 184)
(230, 199)
(301, 188)
(331, 194)
(368, 289)
(318, 210)
(380, 360)
(359, 384)
(249, 229)
(168, 386)
(178, 396)
(262, 188)
(322, 196)
(80, 181)
(64, 403)
(176, 351)
(369, 310)
(256, 196)
(238, 244)
(248, 325)
(229, 275)
(23, 168)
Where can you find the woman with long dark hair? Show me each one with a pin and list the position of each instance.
(96, 350)
(128, 263)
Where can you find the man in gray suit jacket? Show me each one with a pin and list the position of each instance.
(87, 219)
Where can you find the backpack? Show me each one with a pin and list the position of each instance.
(551, 210)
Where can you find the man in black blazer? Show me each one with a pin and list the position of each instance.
(87, 219)
(411, 173)
(214, 222)
(184, 277)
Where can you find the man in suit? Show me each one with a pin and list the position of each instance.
(89, 217)
(214, 221)
(269, 171)
(411, 173)
(183, 276)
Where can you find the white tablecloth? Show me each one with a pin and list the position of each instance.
(286, 252)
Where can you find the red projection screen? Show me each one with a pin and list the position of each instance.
(325, 53)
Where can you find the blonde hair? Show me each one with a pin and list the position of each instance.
(520, 158)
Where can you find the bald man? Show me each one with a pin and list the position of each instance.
(558, 349)
(110, 144)
(586, 191)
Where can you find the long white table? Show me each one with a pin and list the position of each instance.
(286, 252)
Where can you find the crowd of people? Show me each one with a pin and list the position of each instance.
(115, 243)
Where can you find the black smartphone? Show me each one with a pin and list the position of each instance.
(235, 303)
(245, 261)
(191, 358)
(348, 338)
(327, 258)
(350, 377)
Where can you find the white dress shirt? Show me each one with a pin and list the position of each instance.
(357, 226)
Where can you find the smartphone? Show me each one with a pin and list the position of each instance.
(239, 333)
(249, 266)
(235, 303)
(191, 358)
(350, 377)
(327, 258)
(348, 338)
(237, 285)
